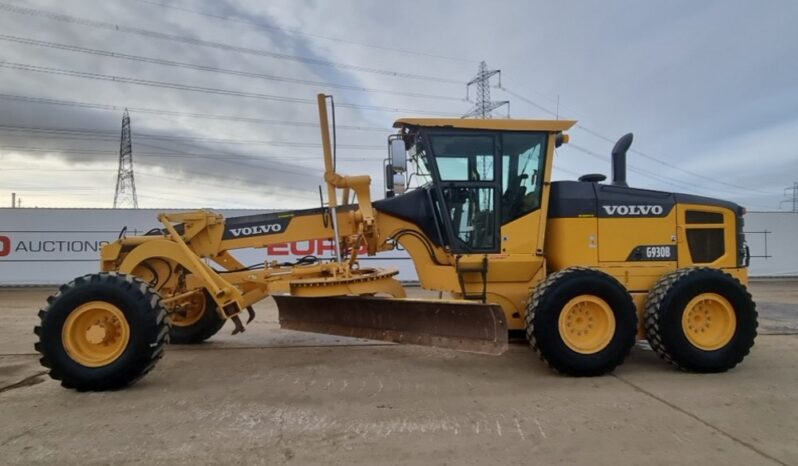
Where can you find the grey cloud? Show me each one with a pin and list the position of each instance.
(699, 83)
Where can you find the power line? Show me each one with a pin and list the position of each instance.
(93, 193)
(108, 133)
(649, 174)
(528, 101)
(653, 175)
(213, 69)
(215, 157)
(201, 89)
(162, 112)
(171, 152)
(94, 196)
(670, 165)
(55, 188)
(635, 151)
(213, 44)
(180, 203)
(643, 172)
(236, 159)
(303, 33)
(231, 187)
(146, 175)
(235, 186)
(69, 170)
(567, 171)
(175, 154)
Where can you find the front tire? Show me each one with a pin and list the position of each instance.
(102, 331)
(701, 320)
(581, 321)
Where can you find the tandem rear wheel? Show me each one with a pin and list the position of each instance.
(102, 331)
(700, 320)
(581, 322)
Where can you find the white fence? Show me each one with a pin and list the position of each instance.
(51, 246)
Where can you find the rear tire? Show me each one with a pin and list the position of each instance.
(701, 320)
(205, 326)
(102, 331)
(581, 321)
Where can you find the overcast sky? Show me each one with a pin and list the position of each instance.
(710, 90)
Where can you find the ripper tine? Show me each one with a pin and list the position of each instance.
(239, 326)
(251, 313)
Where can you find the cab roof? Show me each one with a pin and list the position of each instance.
(500, 124)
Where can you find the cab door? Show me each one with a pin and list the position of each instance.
(468, 189)
(524, 170)
(491, 188)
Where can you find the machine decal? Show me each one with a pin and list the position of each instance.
(245, 230)
(257, 229)
(654, 252)
(635, 210)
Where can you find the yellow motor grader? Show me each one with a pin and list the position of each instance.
(581, 268)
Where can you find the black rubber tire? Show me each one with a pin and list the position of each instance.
(209, 325)
(543, 313)
(141, 306)
(663, 319)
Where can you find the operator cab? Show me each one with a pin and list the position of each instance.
(473, 176)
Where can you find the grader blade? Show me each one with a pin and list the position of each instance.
(463, 326)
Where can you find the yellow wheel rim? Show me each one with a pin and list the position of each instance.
(587, 324)
(190, 310)
(95, 334)
(709, 321)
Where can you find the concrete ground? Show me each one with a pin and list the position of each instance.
(279, 397)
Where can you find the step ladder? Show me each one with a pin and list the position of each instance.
(479, 267)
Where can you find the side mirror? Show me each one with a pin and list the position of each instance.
(398, 155)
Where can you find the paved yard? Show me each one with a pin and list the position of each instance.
(278, 397)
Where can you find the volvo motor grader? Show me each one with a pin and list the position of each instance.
(581, 268)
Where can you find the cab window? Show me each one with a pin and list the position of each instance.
(471, 214)
(523, 157)
(464, 158)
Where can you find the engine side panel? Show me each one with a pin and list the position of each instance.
(634, 234)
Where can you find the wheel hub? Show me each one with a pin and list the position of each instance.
(587, 324)
(189, 311)
(95, 333)
(103, 332)
(709, 321)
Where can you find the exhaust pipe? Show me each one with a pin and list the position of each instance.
(619, 160)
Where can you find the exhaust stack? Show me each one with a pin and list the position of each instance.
(619, 160)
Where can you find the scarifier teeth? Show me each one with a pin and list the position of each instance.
(251, 314)
(239, 326)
